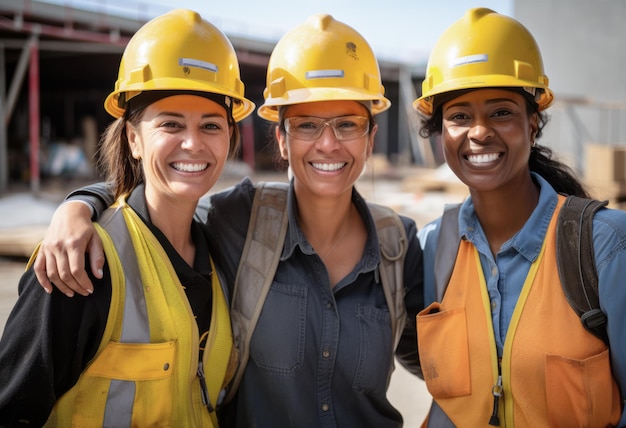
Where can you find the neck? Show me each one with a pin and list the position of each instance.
(326, 222)
(173, 218)
(502, 215)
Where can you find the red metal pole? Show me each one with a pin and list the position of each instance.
(33, 115)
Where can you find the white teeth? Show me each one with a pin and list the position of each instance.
(484, 158)
(190, 167)
(328, 166)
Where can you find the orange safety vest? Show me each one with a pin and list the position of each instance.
(553, 371)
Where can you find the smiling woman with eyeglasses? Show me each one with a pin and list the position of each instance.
(323, 350)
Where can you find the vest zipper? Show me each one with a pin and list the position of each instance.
(203, 388)
(496, 390)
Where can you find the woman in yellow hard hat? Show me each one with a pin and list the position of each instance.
(324, 345)
(500, 343)
(152, 345)
(318, 345)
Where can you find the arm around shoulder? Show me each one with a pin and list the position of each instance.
(98, 196)
(61, 258)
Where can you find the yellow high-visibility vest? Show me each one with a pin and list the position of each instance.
(145, 372)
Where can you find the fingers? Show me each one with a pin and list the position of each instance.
(39, 266)
(61, 259)
(65, 268)
(96, 256)
(74, 274)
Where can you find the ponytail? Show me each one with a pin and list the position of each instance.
(559, 175)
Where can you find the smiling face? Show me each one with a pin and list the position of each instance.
(183, 142)
(326, 166)
(487, 135)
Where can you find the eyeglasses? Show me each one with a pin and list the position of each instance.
(309, 128)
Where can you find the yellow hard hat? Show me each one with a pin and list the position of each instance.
(179, 51)
(484, 49)
(322, 59)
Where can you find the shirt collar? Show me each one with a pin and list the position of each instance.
(529, 239)
(295, 237)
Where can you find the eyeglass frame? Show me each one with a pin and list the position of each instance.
(330, 122)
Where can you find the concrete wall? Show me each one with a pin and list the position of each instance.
(583, 44)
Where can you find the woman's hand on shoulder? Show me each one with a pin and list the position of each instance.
(60, 261)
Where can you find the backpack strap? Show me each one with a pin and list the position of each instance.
(576, 262)
(447, 249)
(393, 247)
(261, 253)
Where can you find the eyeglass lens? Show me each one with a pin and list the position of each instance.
(310, 128)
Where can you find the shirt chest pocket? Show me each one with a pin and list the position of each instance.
(277, 343)
(375, 353)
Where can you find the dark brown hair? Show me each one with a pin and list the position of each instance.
(115, 160)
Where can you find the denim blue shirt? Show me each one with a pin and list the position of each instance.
(320, 356)
(505, 274)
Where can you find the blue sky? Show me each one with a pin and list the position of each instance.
(403, 30)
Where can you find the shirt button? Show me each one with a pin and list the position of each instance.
(329, 305)
(325, 407)
(494, 271)
(326, 354)
(493, 305)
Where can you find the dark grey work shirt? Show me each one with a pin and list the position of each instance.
(319, 356)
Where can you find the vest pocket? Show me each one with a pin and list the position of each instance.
(444, 351)
(127, 384)
(581, 392)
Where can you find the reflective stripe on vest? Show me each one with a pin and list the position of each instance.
(135, 328)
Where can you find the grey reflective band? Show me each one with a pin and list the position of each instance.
(135, 325)
(119, 408)
(197, 63)
(323, 74)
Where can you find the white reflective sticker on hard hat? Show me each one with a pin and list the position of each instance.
(321, 74)
(470, 59)
(190, 62)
